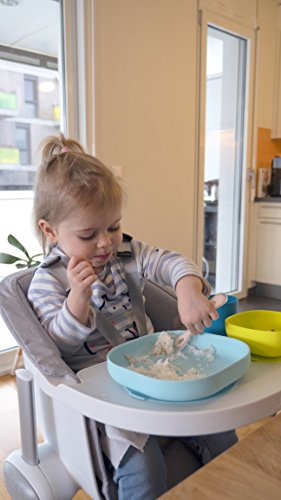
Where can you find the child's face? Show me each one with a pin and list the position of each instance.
(88, 233)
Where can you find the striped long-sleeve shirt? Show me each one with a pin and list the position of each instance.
(82, 345)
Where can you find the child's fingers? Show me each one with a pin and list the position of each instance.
(85, 279)
(201, 321)
(199, 326)
(77, 262)
(83, 271)
(194, 328)
(211, 312)
(207, 322)
(214, 315)
(80, 268)
(89, 280)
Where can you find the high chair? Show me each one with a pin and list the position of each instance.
(69, 405)
(70, 457)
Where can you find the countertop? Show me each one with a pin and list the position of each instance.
(250, 469)
(268, 199)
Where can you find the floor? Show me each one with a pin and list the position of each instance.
(10, 439)
(258, 302)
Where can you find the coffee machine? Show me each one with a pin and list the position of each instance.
(274, 188)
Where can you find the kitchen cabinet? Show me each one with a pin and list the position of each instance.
(268, 268)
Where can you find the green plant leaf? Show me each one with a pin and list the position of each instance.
(21, 266)
(34, 263)
(36, 255)
(6, 258)
(13, 241)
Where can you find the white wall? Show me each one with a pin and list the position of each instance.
(146, 90)
(268, 23)
(265, 91)
(146, 118)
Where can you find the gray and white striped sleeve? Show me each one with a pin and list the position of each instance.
(165, 267)
(48, 300)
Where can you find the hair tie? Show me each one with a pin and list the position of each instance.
(64, 150)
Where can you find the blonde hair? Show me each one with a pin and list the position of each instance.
(68, 177)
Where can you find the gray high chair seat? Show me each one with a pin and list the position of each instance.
(56, 469)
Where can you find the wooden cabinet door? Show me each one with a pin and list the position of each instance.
(268, 267)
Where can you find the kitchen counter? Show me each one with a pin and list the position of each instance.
(268, 242)
(268, 199)
(250, 469)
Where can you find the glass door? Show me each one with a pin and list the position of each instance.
(224, 129)
(226, 138)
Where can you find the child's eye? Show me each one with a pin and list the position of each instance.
(114, 228)
(90, 237)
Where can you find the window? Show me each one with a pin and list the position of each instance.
(35, 102)
(30, 96)
(22, 137)
(29, 111)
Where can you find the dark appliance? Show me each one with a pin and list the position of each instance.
(274, 188)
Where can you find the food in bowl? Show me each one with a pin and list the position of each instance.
(161, 361)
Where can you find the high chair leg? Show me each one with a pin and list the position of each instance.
(27, 416)
(34, 472)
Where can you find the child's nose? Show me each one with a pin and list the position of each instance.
(104, 240)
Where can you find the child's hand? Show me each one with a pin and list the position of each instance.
(81, 276)
(195, 310)
(197, 313)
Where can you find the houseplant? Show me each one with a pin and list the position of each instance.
(23, 261)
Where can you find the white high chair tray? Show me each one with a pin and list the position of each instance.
(254, 396)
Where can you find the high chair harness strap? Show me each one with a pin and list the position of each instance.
(103, 324)
(134, 283)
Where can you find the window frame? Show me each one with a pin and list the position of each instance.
(78, 46)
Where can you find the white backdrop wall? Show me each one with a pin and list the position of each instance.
(145, 101)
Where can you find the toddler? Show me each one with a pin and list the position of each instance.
(82, 297)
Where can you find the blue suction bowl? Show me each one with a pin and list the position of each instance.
(228, 309)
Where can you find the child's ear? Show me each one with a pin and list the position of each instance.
(48, 230)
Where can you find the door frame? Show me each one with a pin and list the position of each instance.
(209, 18)
(77, 55)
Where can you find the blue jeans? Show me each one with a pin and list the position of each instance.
(165, 462)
